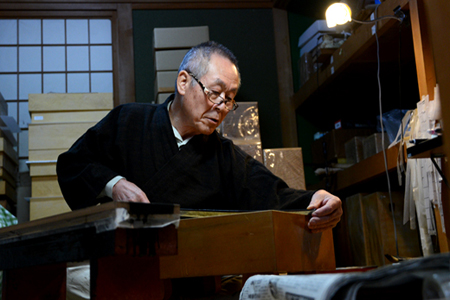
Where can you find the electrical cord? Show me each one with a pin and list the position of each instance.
(382, 133)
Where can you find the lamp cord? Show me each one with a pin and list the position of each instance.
(382, 132)
(377, 19)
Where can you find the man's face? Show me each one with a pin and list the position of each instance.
(202, 115)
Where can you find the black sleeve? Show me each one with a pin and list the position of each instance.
(85, 169)
(261, 189)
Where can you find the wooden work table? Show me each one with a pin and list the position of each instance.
(134, 249)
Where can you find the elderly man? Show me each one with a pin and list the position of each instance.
(171, 152)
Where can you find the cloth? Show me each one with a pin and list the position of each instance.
(136, 141)
(6, 219)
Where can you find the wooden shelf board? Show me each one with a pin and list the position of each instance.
(367, 169)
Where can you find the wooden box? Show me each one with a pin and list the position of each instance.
(69, 102)
(331, 147)
(56, 135)
(169, 60)
(7, 191)
(7, 148)
(41, 207)
(165, 81)
(45, 186)
(248, 243)
(286, 163)
(377, 237)
(179, 37)
(42, 168)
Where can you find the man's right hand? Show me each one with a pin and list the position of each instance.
(126, 191)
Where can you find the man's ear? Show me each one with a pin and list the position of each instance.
(182, 82)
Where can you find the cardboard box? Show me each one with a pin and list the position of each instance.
(68, 117)
(331, 147)
(169, 60)
(41, 207)
(70, 102)
(165, 81)
(55, 135)
(179, 37)
(286, 163)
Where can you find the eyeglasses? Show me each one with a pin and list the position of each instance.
(215, 97)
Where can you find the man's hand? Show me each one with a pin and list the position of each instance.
(328, 211)
(126, 191)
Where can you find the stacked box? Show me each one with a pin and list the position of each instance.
(242, 127)
(170, 46)
(374, 144)
(9, 160)
(371, 229)
(286, 163)
(57, 121)
(331, 147)
(354, 152)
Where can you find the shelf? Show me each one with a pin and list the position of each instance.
(351, 76)
(426, 149)
(368, 169)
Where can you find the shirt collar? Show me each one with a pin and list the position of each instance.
(180, 141)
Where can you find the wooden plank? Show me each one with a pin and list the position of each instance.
(247, 243)
(438, 22)
(68, 117)
(285, 81)
(85, 216)
(422, 51)
(56, 135)
(367, 169)
(124, 55)
(69, 102)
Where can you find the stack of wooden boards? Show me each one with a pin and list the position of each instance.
(9, 161)
(57, 121)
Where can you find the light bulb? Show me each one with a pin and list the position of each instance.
(338, 14)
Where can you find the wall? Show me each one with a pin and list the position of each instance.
(246, 32)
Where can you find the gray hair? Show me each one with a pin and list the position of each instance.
(196, 61)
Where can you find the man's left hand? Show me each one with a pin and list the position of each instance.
(328, 211)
